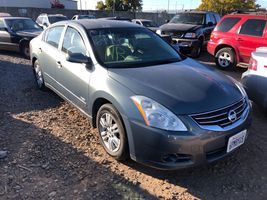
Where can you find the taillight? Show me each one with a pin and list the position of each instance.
(253, 64)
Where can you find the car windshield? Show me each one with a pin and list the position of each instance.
(54, 19)
(131, 47)
(189, 18)
(22, 24)
(86, 17)
(148, 24)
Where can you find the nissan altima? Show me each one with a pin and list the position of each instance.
(146, 100)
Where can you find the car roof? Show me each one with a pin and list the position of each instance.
(247, 15)
(100, 23)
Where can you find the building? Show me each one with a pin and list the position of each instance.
(69, 4)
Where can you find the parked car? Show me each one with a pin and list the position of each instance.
(112, 71)
(16, 33)
(76, 17)
(44, 20)
(255, 78)
(191, 30)
(146, 23)
(236, 37)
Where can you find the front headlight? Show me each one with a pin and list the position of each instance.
(158, 32)
(190, 35)
(156, 115)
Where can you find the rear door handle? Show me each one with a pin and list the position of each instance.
(40, 50)
(59, 65)
(239, 39)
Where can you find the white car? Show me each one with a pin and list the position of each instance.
(255, 78)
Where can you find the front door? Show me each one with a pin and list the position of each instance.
(5, 38)
(73, 77)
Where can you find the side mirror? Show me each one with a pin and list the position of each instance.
(79, 58)
(167, 21)
(210, 24)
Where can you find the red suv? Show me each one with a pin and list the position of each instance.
(235, 37)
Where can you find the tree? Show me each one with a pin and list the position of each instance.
(100, 5)
(227, 6)
(120, 5)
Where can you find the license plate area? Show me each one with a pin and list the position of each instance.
(236, 140)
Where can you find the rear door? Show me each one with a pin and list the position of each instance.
(208, 29)
(48, 54)
(251, 36)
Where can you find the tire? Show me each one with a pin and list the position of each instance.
(25, 50)
(38, 75)
(113, 139)
(196, 51)
(225, 58)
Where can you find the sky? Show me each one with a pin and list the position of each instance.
(173, 4)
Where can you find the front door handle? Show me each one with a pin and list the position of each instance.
(59, 65)
(40, 50)
(239, 39)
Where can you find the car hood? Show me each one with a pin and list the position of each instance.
(185, 87)
(179, 27)
(29, 33)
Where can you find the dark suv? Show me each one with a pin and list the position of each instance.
(236, 37)
(190, 30)
(16, 34)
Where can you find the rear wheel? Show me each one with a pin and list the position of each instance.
(112, 133)
(38, 74)
(225, 58)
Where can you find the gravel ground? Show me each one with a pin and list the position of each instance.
(53, 153)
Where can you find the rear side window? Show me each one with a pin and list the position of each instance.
(217, 17)
(253, 27)
(227, 24)
(53, 35)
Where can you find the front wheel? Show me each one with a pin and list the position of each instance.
(196, 50)
(112, 133)
(25, 50)
(225, 58)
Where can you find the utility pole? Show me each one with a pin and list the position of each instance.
(168, 6)
(114, 8)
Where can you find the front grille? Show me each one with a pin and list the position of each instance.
(173, 34)
(220, 117)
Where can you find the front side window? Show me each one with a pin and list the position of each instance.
(253, 27)
(73, 42)
(53, 35)
(189, 18)
(227, 24)
(131, 47)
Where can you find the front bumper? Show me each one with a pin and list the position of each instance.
(176, 150)
(185, 45)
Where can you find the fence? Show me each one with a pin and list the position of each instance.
(159, 18)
